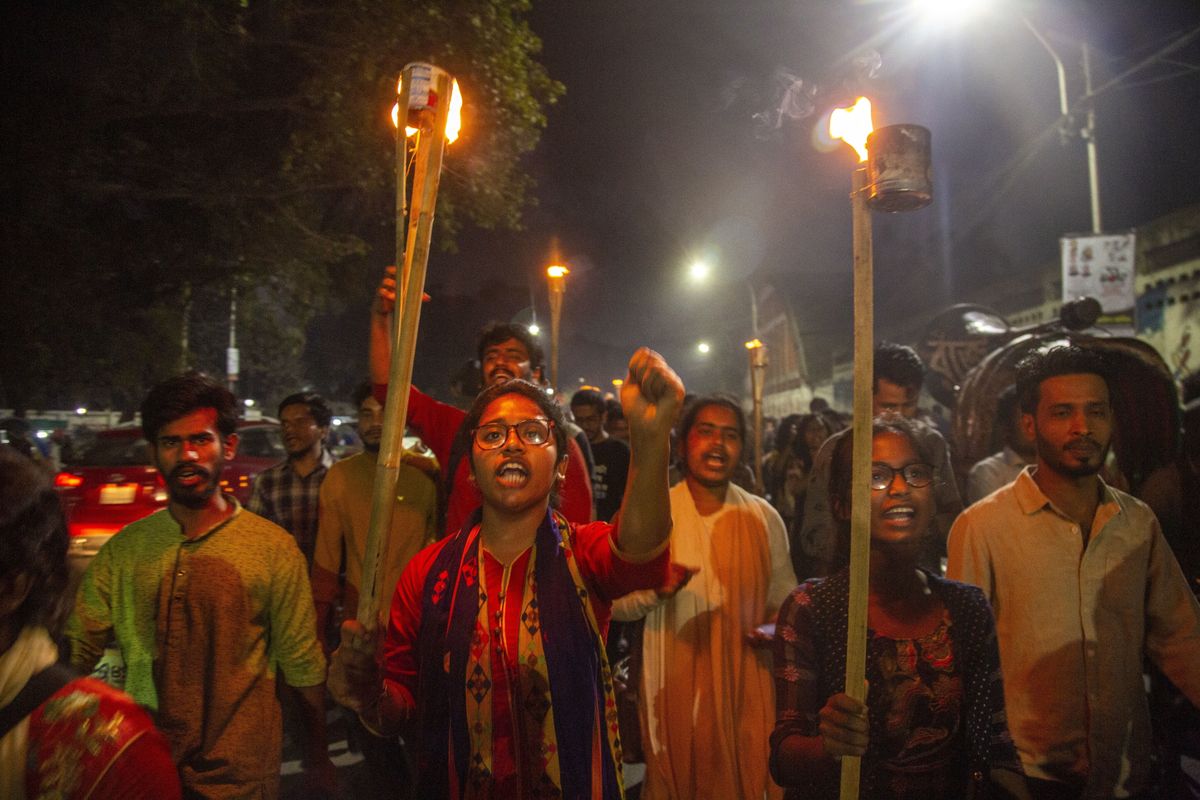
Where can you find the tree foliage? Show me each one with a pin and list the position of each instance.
(163, 151)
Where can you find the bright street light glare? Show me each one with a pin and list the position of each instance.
(699, 271)
(81, 410)
(535, 329)
(947, 13)
(703, 348)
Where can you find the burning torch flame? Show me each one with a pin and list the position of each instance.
(753, 344)
(557, 272)
(453, 122)
(853, 125)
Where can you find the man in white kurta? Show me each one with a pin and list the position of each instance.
(707, 699)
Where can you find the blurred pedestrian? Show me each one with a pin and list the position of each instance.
(61, 736)
(1002, 468)
(610, 455)
(287, 493)
(615, 423)
(345, 520)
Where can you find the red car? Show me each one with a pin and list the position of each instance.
(114, 482)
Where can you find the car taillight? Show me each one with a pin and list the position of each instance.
(77, 531)
(159, 489)
(67, 480)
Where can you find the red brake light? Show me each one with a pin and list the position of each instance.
(67, 480)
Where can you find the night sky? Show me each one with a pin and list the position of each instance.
(686, 131)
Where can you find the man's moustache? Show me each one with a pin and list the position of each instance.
(178, 472)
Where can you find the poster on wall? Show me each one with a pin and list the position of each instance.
(1101, 266)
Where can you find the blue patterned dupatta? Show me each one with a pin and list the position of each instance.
(561, 698)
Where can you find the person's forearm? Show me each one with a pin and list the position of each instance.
(800, 760)
(645, 521)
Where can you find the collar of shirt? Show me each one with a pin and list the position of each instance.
(237, 509)
(325, 463)
(1031, 499)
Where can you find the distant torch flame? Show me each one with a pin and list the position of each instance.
(753, 344)
(557, 271)
(453, 122)
(853, 125)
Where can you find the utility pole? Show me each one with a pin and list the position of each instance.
(1089, 136)
(1066, 125)
(231, 353)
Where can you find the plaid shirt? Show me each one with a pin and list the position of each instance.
(290, 501)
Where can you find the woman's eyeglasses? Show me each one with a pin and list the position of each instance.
(493, 435)
(917, 476)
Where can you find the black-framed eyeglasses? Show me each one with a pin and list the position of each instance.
(918, 476)
(493, 435)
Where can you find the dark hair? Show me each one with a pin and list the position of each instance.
(705, 401)
(613, 408)
(841, 463)
(789, 424)
(526, 389)
(898, 364)
(361, 393)
(317, 406)
(498, 332)
(589, 397)
(1062, 360)
(800, 447)
(184, 394)
(33, 540)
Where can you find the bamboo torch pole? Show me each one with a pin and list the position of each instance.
(860, 494)
(412, 249)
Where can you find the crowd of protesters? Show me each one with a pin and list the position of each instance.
(590, 600)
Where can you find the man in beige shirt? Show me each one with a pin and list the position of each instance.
(1083, 587)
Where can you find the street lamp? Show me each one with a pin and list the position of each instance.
(959, 10)
(703, 348)
(557, 276)
(758, 368)
(699, 271)
(1088, 131)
